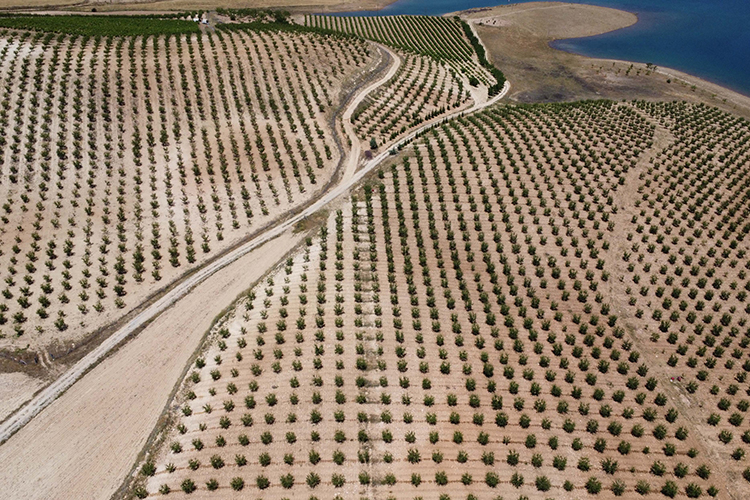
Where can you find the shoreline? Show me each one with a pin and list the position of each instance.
(671, 73)
(543, 28)
(713, 88)
(520, 41)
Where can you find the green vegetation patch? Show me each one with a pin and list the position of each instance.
(438, 37)
(479, 49)
(100, 25)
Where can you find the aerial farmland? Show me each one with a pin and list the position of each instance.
(258, 254)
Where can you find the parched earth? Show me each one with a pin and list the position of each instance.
(534, 300)
(470, 324)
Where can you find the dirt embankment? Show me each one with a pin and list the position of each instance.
(518, 37)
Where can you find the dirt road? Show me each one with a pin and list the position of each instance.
(85, 442)
(356, 151)
(51, 392)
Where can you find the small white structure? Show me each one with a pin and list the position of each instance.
(196, 19)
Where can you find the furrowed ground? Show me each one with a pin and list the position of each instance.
(128, 161)
(471, 324)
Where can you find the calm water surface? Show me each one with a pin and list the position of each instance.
(706, 38)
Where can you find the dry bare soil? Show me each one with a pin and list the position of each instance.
(96, 429)
(539, 300)
(281, 109)
(536, 300)
(150, 156)
(122, 184)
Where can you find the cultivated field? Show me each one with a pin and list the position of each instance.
(528, 301)
(438, 37)
(422, 89)
(445, 39)
(128, 161)
(65, 451)
(442, 72)
(471, 324)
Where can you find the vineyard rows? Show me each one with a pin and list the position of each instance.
(466, 325)
(173, 24)
(438, 37)
(422, 89)
(127, 161)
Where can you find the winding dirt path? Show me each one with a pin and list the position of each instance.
(85, 443)
(356, 151)
(100, 413)
(53, 391)
(80, 435)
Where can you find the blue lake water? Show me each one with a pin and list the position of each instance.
(706, 38)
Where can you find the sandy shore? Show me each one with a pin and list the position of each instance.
(737, 102)
(518, 38)
(553, 20)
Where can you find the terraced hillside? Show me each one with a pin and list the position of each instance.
(466, 326)
(128, 161)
